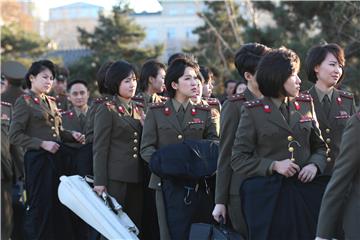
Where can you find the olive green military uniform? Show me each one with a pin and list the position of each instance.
(162, 127)
(14, 72)
(117, 162)
(333, 124)
(74, 120)
(264, 136)
(345, 180)
(227, 181)
(62, 102)
(146, 99)
(215, 107)
(89, 126)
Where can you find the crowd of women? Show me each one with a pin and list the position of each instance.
(278, 147)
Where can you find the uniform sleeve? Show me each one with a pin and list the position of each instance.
(211, 131)
(229, 121)
(20, 119)
(103, 123)
(66, 135)
(149, 136)
(317, 144)
(89, 127)
(345, 168)
(244, 158)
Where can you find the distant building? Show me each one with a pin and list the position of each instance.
(62, 25)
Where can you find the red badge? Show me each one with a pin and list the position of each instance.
(71, 114)
(339, 100)
(267, 108)
(193, 111)
(197, 120)
(36, 100)
(297, 106)
(167, 111)
(121, 109)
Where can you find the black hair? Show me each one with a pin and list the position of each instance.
(37, 67)
(317, 55)
(100, 77)
(248, 57)
(174, 56)
(229, 81)
(176, 70)
(116, 73)
(149, 69)
(76, 81)
(274, 69)
(206, 73)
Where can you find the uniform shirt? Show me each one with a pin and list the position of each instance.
(332, 126)
(263, 136)
(162, 127)
(228, 181)
(36, 120)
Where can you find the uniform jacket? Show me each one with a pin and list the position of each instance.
(62, 102)
(6, 162)
(34, 121)
(342, 107)
(72, 122)
(161, 128)
(146, 99)
(345, 180)
(263, 136)
(116, 143)
(228, 181)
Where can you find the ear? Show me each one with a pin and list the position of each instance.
(31, 78)
(174, 85)
(316, 68)
(151, 79)
(248, 76)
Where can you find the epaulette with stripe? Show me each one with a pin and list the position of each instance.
(213, 101)
(253, 103)
(67, 113)
(101, 99)
(138, 104)
(303, 98)
(51, 98)
(6, 104)
(346, 94)
(237, 97)
(138, 98)
(157, 105)
(202, 107)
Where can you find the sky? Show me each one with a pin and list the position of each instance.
(43, 6)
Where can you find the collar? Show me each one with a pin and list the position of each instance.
(78, 111)
(278, 102)
(322, 94)
(123, 102)
(177, 105)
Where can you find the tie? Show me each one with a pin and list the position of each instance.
(82, 121)
(284, 111)
(45, 102)
(326, 105)
(180, 115)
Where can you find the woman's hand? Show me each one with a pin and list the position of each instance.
(286, 168)
(50, 146)
(99, 189)
(219, 210)
(308, 173)
(79, 137)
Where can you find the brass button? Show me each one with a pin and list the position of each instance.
(52, 128)
(328, 140)
(135, 149)
(135, 156)
(291, 149)
(51, 119)
(135, 141)
(327, 130)
(290, 138)
(328, 159)
(159, 184)
(54, 135)
(180, 136)
(135, 134)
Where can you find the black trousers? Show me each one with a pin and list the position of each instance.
(46, 218)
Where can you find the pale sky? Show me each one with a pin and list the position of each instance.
(43, 6)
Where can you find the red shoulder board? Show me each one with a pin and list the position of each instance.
(237, 97)
(254, 103)
(213, 101)
(138, 98)
(67, 113)
(51, 98)
(6, 104)
(306, 92)
(109, 103)
(202, 107)
(346, 94)
(27, 97)
(157, 105)
(304, 98)
(100, 100)
(139, 104)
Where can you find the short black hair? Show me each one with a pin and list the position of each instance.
(149, 69)
(174, 56)
(62, 74)
(76, 81)
(37, 67)
(176, 70)
(116, 73)
(226, 83)
(100, 77)
(206, 73)
(248, 57)
(317, 55)
(274, 69)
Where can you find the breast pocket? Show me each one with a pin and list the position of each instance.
(40, 115)
(268, 131)
(307, 126)
(197, 126)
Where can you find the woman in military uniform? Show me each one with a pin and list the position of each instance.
(37, 127)
(175, 120)
(279, 134)
(333, 107)
(118, 168)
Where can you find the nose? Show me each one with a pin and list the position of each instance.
(298, 80)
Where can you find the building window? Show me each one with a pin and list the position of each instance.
(171, 33)
(152, 34)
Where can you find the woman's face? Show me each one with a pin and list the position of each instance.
(157, 83)
(292, 85)
(127, 86)
(187, 83)
(329, 71)
(207, 88)
(42, 82)
(241, 88)
(197, 97)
